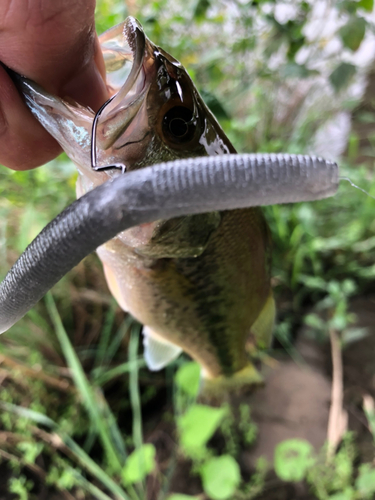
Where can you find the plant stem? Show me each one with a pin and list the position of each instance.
(338, 418)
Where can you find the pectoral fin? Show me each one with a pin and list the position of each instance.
(181, 237)
(157, 352)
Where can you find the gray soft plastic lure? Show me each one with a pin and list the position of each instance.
(163, 191)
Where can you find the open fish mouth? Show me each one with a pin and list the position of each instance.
(125, 50)
(152, 97)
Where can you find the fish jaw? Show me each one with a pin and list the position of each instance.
(68, 124)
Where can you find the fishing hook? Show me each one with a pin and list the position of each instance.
(94, 165)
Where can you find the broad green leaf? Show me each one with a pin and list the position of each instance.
(353, 33)
(367, 5)
(292, 459)
(197, 426)
(220, 476)
(341, 76)
(188, 377)
(139, 464)
(365, 482)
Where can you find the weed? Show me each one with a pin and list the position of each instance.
(333, 479)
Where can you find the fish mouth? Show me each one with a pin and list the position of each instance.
(125, 49)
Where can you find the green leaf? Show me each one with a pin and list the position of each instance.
(365, 482)
(292, 459)
(197, 426)
(314, 321)
(294, 70)
(201, 9)
(353, 33)
(341, 76)
(30, 450)
(367, 5)
(80, 480)
(139, 464)
(188, 378)
(220, 476)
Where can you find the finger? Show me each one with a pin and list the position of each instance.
(88, 84)
(54, 44)
(24, 143)
(57, 47)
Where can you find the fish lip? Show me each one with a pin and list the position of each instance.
(133, 30)
(119, 113)
(136, 40)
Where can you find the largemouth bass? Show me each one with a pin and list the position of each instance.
(201, 283)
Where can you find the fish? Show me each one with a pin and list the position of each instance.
(199, 284)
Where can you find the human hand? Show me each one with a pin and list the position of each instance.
(52, 42)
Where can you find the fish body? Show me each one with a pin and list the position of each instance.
(199, 284)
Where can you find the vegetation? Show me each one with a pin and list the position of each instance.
(75, 398)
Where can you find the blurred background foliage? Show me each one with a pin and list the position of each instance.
(280, 77)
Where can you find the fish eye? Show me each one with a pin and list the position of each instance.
(179, 124)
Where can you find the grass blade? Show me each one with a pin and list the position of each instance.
(105, 377)
(87, 394)
(135, 399)
(112, 427)
(102, 348)
(89, 487)
(117, 339)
